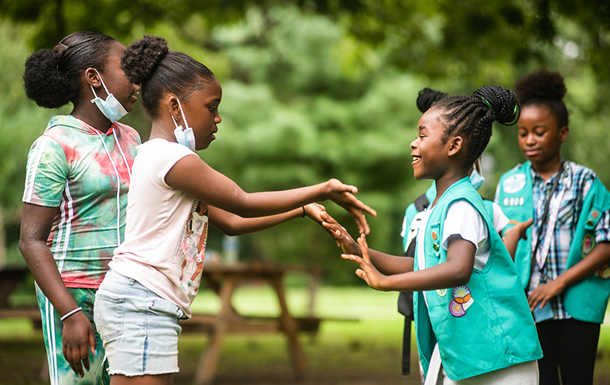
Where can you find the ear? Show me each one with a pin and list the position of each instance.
(454, 145)
(174, 108)
(564, 132)
(92, 78)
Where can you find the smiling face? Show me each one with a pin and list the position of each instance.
(540, 138)
(116, 81)
(429, 150)
(201, 110)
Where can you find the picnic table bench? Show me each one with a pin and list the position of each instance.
(224, 280)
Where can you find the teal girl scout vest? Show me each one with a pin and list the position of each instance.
(484, 325)
(586, 300)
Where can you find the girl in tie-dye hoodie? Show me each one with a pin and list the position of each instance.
(75, 196)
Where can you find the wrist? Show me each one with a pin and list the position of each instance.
(71, 313)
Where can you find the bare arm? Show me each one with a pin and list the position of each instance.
(217, 190)
(598, 257)
(78, 334)
(232, 224)
(455, 271)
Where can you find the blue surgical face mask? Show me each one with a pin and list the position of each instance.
(476, 179)
(184, 136)
(111, 107)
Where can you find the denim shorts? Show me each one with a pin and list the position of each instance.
(139, 329)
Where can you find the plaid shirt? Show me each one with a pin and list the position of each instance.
(570, 209)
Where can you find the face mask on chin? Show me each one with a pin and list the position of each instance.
(184, 136)
(111, 107)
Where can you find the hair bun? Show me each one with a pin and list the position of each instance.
(503, 103)
(540, 85)
(44, 81)
(141, 57)
(427, 97)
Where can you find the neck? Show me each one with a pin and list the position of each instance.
(547, 169)
(162, 129)
(90, 114)
(445, 181)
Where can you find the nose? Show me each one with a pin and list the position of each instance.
(414, 144)
(218, 118)
(137, 89)
(530, 139)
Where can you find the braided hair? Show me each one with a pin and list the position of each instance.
(52, 76)
(544, 89)
(149, 62)
(471, 117)
(427, 97)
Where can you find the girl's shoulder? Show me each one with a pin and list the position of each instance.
(129, 132)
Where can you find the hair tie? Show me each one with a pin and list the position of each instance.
(489, 104)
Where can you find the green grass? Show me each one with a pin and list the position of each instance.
(363, 349)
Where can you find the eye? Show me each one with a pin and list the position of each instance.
(213, 109)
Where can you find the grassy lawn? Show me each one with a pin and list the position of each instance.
(363, 349)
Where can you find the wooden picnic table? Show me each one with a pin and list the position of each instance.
(224, 280)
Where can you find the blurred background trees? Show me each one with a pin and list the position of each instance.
(319, 89)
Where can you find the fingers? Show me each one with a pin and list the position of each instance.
(360, 273)
(363, 226)
(73, 358)
(353, 257)
(92, 347)
(364, 247)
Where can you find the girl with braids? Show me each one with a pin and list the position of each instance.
(173, 197)
(472, 321)
(563, 266)
(75, 196)
(412, 219)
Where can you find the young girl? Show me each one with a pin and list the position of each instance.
(472, 321)
(173, 198)
(563, 264)
(412, 219)
(75, 195)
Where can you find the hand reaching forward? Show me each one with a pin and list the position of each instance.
(315, 211)
(340, 235)
(367, 271)
(342, 195)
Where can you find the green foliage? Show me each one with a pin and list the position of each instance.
(308, 97)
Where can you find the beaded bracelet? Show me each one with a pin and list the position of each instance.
(68, 314)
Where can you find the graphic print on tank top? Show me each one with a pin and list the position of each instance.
(190, 251)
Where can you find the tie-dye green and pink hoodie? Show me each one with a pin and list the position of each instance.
(85, 174)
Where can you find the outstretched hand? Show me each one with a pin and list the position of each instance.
(340, 235)
(367, 270)
(315, 212)
(342, 195)
(78, 341)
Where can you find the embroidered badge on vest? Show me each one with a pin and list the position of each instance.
(441, 292)
(514, 183)
(604, 272)
(588, 243)
(514, 201)
(462, 299)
